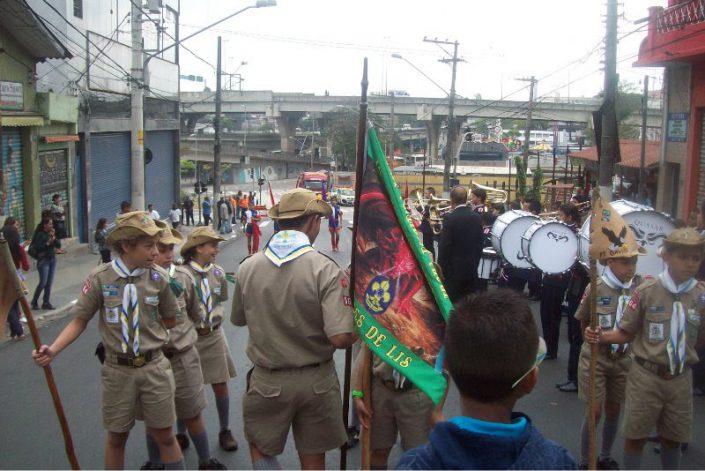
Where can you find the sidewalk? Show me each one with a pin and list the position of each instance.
(71, 271)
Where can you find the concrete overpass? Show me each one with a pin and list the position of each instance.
(288, 108)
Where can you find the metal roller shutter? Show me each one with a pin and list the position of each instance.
(701, 177)
(11, 180)
(110, 174)
(159, 181)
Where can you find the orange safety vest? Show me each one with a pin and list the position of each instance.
(243, 203)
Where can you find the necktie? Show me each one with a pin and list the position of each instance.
(609, 278)
(204, 290)
(676, 339)
(130, 310)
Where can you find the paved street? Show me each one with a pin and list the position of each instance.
(30, 436)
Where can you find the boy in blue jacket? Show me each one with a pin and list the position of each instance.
(492, 353)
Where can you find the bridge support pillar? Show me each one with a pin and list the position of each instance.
(433, 132)
(286, 122)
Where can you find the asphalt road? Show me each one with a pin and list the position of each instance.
(30, 436)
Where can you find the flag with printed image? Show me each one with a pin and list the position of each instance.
(10, 288)
(401, 306)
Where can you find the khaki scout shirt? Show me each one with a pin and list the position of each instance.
(184, 335)
(648, 316)
(102, 292)
(607, 303)
(219, 293)
(291, 310)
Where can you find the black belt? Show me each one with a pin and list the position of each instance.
(392, 385)
(172, 352)
(207, 330)
(312, 365)
(661, 371)
(133, 361)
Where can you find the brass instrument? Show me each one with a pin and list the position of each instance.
(494, 195)
(582, 207)
(438, 207)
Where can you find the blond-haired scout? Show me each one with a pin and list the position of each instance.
(136, 307)
(199, 253)
(663, 324)
(295, 302)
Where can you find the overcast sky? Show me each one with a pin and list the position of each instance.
(315, 46)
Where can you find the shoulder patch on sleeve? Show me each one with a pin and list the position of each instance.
(87, 285)
(634, 300)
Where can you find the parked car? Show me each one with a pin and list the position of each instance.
(346, 196)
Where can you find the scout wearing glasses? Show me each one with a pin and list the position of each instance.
(663, 324)
(136, 307)
(614, 289)
(199, 252)
(181, 352)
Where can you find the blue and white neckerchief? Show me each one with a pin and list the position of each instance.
(129, 311)
(204, 290)
(676, 340)
(286, 246)
(609, 278)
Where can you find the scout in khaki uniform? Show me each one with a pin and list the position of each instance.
(663, 324)
(199, 252)
(398, 408)
(181, 352)
(294, 300)
(135, 307)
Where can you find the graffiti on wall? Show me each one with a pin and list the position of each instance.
(11, 190)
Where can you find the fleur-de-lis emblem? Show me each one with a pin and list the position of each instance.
(379, 295)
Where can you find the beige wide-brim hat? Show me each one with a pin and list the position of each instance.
(200, 236)
(133, 224)
(684, 237)
(299, 202)
(169, 236)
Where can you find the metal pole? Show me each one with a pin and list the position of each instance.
(527, 129)
(451, 123)
(642, 164)
(608, 148)
(216, 127)
(137, 115)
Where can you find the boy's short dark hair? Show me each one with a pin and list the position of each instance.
(491, 340)
(487, 218)
(480, 193)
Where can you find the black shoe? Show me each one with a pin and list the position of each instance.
(182, 439)
(227, 441)
(560, 385)
(552, 356)
(353, 437)
(607, 463)
(150, 465)
(48, 306)
(569, 387)
(35, 306)
(212, 464)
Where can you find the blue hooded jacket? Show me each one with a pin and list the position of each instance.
(453, 447)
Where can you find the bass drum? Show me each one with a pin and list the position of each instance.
(489, 264)
(550, 246)
(506, 236)
(650, 228)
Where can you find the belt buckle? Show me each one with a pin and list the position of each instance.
(138, 361)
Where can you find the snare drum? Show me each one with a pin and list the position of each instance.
(506, 236)
(489, 264)
(550, 246)
(650, 228)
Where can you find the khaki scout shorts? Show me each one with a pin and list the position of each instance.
(216, 363)
(189, 398)
(404, 412)
(306, 400)
(147, 391)
(665, 403)
(610, 378)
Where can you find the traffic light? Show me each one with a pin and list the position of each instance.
(199, 188)
(466, 129)
(468, 136)
(260, 182)
(252, 173)
(317, 152)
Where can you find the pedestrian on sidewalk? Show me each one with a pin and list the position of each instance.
(252, 230)
(101, 238)
(125, 207)
(46, 246)
(11, 233)
(175, 215)
(207, 211)
(153, 213)
(136, 307)
(58, 215)
(188, 209)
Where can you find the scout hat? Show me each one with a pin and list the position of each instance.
(169, 235)
(299, 202)
(199, 236)
(684, 237)
(133, 224)
(610, 236)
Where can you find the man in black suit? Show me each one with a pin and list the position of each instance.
(460, 247)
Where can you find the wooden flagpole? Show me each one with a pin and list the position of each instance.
(359, 166)
(592, 397)
(58, 407)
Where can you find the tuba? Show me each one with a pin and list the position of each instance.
(438, 207)
(494, 195)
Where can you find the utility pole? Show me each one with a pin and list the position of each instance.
(527, 128)
(137, 173)
(216, 128)
(608, 147)
(642, 165)
(449, 153)
(391, 118)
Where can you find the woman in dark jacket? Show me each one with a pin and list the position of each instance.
(10, 231)
(47, 246)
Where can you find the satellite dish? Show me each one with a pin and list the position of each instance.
(147, 155)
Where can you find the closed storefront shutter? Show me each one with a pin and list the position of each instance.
(701, 177)
(110, 174)
(160, 171)
(11, 179)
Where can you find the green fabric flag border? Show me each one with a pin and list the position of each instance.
(383, 344)
(374, 150)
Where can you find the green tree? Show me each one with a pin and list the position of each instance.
(627, 103)
(536, 183)
(521, 176)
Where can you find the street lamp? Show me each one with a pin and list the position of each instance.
(440, 87)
